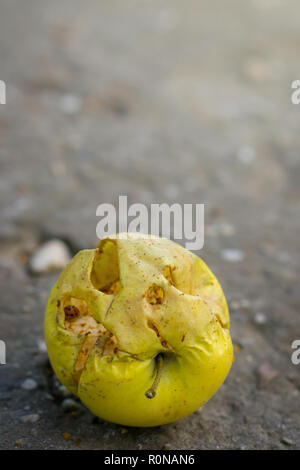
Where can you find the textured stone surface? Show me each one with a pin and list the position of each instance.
(181, 101)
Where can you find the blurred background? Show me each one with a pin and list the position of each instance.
(168, 101)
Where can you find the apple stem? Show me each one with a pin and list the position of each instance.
(152, 390)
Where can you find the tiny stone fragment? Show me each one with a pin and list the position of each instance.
(235, 305)
(168, 446)
(69, 404)
(266, 373)
(52, 255)
(260, 318)
(232, 255)
(42, 348)
(246, 155)
(70, 104)
(29, 384)
(287, 441)
(34, 418)
(63, 391)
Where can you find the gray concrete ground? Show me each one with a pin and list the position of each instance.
(162, 101)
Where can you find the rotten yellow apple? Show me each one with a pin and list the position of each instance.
(138, 329)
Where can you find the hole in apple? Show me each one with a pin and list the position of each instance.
(105, 274)
(80, 321)
(167, 273)
(79, 318)
(155, 295)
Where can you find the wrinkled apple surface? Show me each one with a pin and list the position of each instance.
(138, 329)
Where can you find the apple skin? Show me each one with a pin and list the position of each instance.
(189, 327)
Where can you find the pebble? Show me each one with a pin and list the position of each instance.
(258, 70)
(167, 446)
(42, 348)
(260, 318)
(52, 255)
(283, 256)
(63, 391)
(34, 418)
(226, 229)
(70, 104)
(48, 396)
(235, 304)
(266, 373)
(246, 155)
(232, 255)
(68, 404)
(245, 303)
(29, 384)
(287, 441)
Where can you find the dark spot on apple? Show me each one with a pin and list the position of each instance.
(71, 312)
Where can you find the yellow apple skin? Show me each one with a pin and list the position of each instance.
(188, 327)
